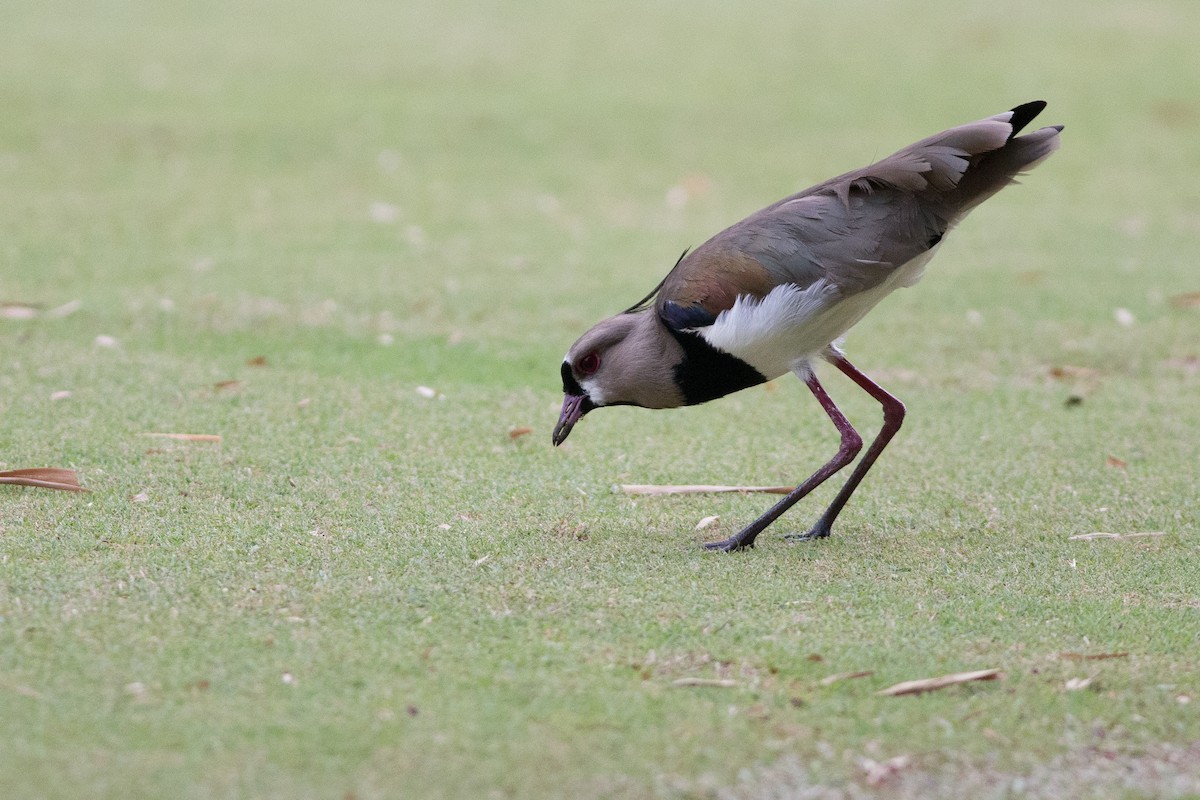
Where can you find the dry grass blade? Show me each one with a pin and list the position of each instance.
(186, 437)
(1092, 656)
(715, 683)
(66, 480)
(837, 677)
(941, 682)
(652, 489)
(1087, 537)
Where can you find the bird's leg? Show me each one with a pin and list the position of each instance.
(851, 444)
(893, 417)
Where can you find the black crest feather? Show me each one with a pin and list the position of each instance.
(644, 303)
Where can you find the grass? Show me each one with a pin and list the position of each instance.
(364, 592)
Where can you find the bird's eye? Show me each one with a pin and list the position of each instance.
(588, 364)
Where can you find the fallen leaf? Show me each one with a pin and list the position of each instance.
(140, 497)
(186, 437)
(879, 772)
(829, 680)
(66, 480)
(257, 361)
(227, 384)
(706, 521)
(517, 433)
(1092, 656)
(716, 683)
(1087, 537)
(941, 682)
(651, 489)
(1113, 461)
(1185, 300)
(18, 311)
(1068, 371)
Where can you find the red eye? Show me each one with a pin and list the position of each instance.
(588, 364)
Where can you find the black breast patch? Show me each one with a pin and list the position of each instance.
(706, 373)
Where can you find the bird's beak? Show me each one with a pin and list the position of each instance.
(574, 407)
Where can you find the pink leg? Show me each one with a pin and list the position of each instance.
(851, 444)
(893, 417)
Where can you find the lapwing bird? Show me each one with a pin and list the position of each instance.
(777, 291)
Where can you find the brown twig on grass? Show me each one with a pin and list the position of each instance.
(65, 480)
(653, 489)
(186, 437)
(940, 682)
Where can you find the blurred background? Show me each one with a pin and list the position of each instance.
(501, 174)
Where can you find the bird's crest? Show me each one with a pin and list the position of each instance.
(645, 302)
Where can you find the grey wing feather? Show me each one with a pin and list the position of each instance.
(855, 229)
(854, 244)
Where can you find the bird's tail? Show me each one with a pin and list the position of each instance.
(991, 171)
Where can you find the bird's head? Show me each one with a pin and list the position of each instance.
(628, 359)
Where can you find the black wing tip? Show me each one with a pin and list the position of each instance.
(1023, 114)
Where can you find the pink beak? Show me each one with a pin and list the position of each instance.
(574, 407)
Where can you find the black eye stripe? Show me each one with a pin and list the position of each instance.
(570, 385)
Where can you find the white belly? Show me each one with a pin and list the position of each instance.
(789, 327)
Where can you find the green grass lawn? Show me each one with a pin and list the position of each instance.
(365, 591)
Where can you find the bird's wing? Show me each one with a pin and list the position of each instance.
(854, 230)
(853, 244)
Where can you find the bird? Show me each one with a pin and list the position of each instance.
(776, 292)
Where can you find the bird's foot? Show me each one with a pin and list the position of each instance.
(728, 545)
(818, 531)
